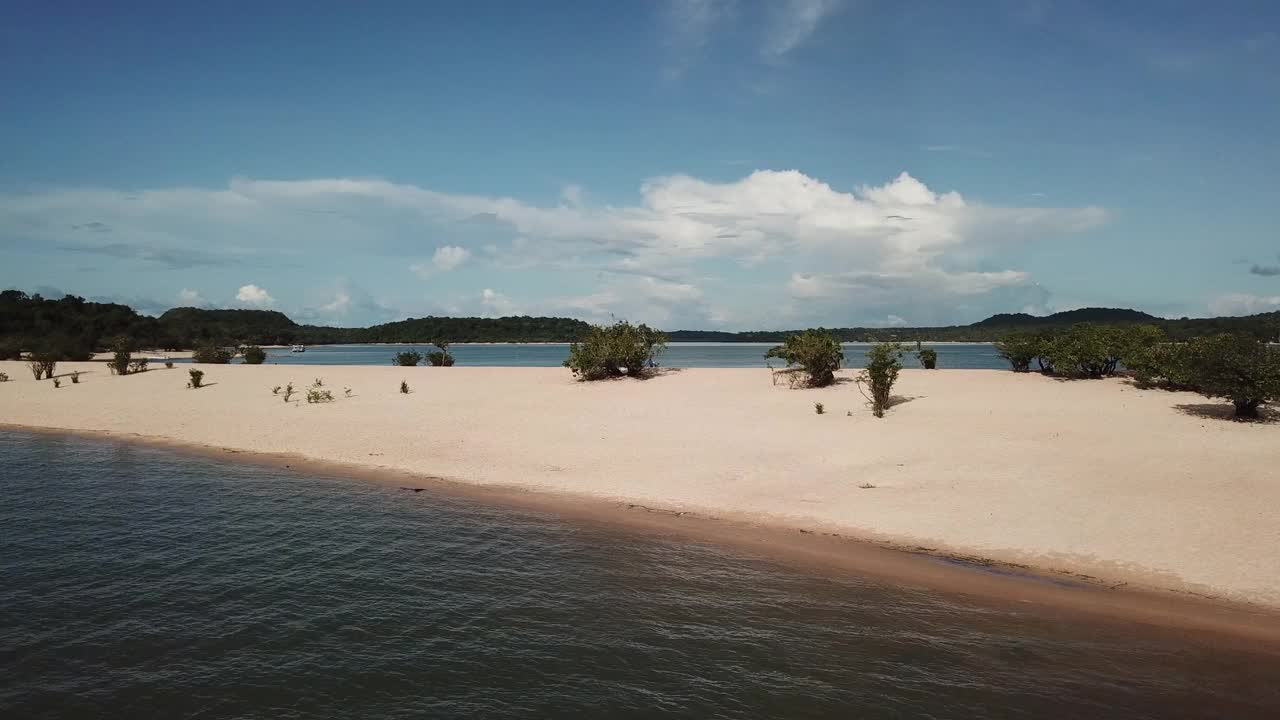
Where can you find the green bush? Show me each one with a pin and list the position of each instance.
(253, 355)
(288, 391)
(57, 382)
(316, 393)
(1084, 351)
(815, 353)
(168, 364)
(819, 408)
(441, 357)
(615, 350)
(1143, 352)
(1236, 367)
(75, 377)
(1019, 349)
(4, 377)
(408, 358)
(404, 387)
(137, 366)
(121, 356)
(879, 375)
(208, 353)
(197, 378)
(42, 364)
(928, 358)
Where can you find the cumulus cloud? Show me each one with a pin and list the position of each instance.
(254, 296)
(1243, 304)
(496, 304)
(190, 298)
(812, 252)
(444, 259)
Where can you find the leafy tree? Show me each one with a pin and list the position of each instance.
(814, 352)
(253, 355)
(1142, 351)
(1019, 349)
(408, 358)
(1236, 367)
(122, 355)
(210, 353)
(880, 373)
(42, 364)
(615, 350)
(1086, 350)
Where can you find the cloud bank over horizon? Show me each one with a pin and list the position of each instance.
(770, 248)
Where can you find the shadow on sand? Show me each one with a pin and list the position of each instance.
(1227, 412)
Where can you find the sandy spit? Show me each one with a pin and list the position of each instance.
(1140, 487)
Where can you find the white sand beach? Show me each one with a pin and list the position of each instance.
(1145, 487)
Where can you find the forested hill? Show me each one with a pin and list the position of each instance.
(1265, 326)
(76, 327)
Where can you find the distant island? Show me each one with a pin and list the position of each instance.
(74, 322)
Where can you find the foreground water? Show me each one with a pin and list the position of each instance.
(684, 355)
(138, 582)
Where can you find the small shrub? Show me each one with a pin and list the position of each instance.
(121, 356)
(346, 392)
(880, 374)
(819, 408)
(440, 358)
(317, 394)
(615, 350)
(137, 366)
(168, 364)
(75, 377)
(288, 391)
(4, 377)
(57, 382)
(815, 352)
(1236, 367)
(928, 358)
(197, 379)
(42, 365)
(208, 353)
(404, 387)
(275, 390)
(408, 358)
(253, 355)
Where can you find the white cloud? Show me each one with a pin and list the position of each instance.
(497, 304)
(814, 253)
(689, 25)
(190, 298)
(254, 296)
(793, 22)
(444, 259)
(1243, 304)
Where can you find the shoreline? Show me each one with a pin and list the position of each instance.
(1092, 480)
(822, 553)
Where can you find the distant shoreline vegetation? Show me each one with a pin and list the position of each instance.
(73, 328)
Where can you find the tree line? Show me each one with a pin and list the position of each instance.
(72, 328)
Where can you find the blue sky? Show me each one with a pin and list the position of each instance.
(696, 164)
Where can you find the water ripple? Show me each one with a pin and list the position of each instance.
(142, 583)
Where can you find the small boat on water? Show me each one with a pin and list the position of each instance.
(299, 348)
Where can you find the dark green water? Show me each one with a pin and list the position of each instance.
(141, 583)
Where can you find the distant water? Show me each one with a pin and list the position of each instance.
(140, 583)
(687, 355)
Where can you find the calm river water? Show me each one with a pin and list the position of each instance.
(143, 583)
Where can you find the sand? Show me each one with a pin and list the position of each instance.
(1140, 487)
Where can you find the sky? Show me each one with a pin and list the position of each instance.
(693, 164)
